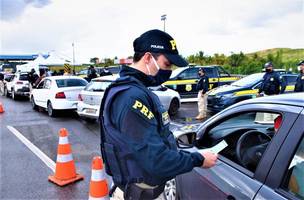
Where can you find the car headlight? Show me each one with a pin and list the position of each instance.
(229, 95)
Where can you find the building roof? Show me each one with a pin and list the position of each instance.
(20, 57)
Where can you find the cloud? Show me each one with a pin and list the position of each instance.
(108, 28)
(13, 9)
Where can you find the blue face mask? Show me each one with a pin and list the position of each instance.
(161, 76)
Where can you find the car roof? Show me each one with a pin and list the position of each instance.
(63, 77)
(291, 99)
(107, 78)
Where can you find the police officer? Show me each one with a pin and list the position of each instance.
(299, 87)
(271, 82)
(202, 87)
(137, 146)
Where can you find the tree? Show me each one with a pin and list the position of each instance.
(94, 60)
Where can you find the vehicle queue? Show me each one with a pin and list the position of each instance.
(219, 129)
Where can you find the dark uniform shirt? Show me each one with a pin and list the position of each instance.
(133, 116)
(299, 87)
(203, 84)
(271, 84)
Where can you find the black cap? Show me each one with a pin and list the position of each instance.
(268, 64)
(301, 63)
(156, 41)
(201, 69)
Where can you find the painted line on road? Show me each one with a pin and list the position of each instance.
(49, 162)
(188, 100)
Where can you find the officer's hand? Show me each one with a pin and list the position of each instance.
(210, 159)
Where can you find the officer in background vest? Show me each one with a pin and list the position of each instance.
(137, 146)
(272, 82)
(299, 87)
(202, 87)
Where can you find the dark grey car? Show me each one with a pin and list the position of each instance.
(264, 158)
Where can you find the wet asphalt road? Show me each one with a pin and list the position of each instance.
(24, 176)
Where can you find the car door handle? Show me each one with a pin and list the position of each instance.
(230, 197)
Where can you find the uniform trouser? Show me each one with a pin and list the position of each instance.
(202, 104)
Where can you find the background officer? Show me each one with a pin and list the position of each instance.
(271, 81)
(202, 87)
(137, 146)
(299, 87)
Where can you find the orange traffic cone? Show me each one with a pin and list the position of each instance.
(65, 172)
(1, 108)
(98, 184)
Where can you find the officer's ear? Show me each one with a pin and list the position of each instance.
(147, 57)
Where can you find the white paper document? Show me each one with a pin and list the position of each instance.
(215, 149)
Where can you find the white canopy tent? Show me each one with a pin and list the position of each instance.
(40, 60)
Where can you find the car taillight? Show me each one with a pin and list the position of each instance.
(19, 82)
(60, 95)
(80, 97)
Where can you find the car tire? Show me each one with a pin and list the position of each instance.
(174, 106)
(34, 106)
(6, 92)
(170, 192)
(50, 110)
(14, 96)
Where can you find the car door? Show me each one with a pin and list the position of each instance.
(229, 179)
(186, 82)
(286, 178)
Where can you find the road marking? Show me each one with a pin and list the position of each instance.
(49, 162)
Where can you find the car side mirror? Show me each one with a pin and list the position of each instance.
(186, 140)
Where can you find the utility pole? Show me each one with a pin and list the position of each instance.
(163, 18)
(73, 57)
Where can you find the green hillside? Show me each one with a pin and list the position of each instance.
(286, 53)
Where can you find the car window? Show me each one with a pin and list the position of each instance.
(70, 83)
(294, 177)
(247, 136)
(190, 73)
(210, 72)
(47, 84)
(41, 84)
(222, 72)
(23, 77)
(290, 80)
(97, 85)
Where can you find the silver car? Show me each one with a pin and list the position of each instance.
(90, 97)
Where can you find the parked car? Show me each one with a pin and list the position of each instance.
(263, 158)
(91, 96)
(56, 93)
(184, 79)
(17, 85)
(245, 88)
(6, 77)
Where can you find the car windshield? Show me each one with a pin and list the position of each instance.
(177, 71)
(23, 77)
(97, 85)
(71, 83)
(248, 80)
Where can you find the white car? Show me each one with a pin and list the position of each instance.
(56, 93)
(91, 96)
(17, 85)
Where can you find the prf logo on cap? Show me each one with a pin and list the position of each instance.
(173, 44)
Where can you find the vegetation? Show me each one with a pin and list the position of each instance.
(240, 63)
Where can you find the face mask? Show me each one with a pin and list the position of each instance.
(268, 70)
(161, 76)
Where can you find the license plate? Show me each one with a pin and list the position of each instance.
(91, 110)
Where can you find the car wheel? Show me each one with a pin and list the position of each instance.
(34, 106)
(14, 96)
(174, 106)
(6, 92)
(170, 190)
(50, 110)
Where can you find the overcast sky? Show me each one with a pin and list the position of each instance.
(107, 28)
